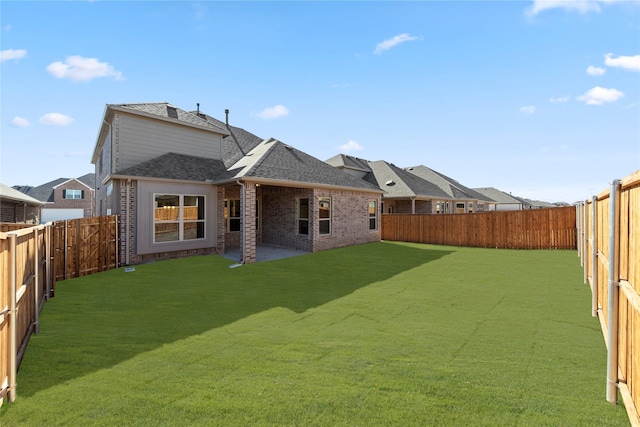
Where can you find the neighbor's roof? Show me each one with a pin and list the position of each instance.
(453, 188)
(8, 193)
(349, 162)
(399, 183)
(499, 196)
(44, 192)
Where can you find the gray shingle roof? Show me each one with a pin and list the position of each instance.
(403, 184)
(498, 196)
(450, 186)
(178, 167)
(349, 162)
(168, 111)
(12, 194)
(278, 161)
(237, 144)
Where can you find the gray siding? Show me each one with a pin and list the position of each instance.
(141, 139)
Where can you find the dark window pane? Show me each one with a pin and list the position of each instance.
(303, 226)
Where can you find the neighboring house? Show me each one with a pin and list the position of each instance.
(504, 201)
(185, 183)
(64, 198)
(466, 199)
(412, 190)
(17, 207)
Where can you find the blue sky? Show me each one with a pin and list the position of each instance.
(537, 98)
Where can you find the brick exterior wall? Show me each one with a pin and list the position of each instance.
(86, 203)
(280, 218)
(349, 219)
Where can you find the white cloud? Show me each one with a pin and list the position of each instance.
(350, 147)
(595, 71)
(582, 6)
(392, 42)
(6, 27)
(274, 112)
(8, 54)
(631, 63)
(560, 99)
(529, 109)
(599, 95)
(55, 119)
(20, 122)
(82, 69)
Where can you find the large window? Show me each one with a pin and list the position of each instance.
(72, 194)
(232, 214)
(303, 216)
(324, 215)
(373, 215)
(178, 217)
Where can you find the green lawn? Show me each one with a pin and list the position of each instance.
(378, 334)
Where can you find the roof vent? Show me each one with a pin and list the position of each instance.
(390, 183)
(172, 112)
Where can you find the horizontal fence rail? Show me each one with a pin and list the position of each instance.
(553, 228)
(610, 255)
(32, 258)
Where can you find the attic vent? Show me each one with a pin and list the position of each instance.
(390, 182)
(410, 169)
(172, 112)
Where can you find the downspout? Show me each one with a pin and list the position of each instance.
(126, 221)
(614, 283)
(242, 228)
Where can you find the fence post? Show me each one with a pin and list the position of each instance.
(36, 280)
(13, 316)
(594, 258)
(613, 288)
(47, 249)
(579, 227)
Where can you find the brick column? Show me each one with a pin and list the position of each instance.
(220, 225)
(249, 223)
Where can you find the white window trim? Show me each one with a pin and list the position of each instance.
(321, 220)
(180, 221)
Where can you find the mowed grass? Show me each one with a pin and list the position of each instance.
(378, 334)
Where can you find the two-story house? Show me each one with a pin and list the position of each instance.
(185, 183)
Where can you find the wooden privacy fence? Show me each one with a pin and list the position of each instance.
(609, 249)
(85, 246)
(553, 228)
(24, 286)
(31, 260)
